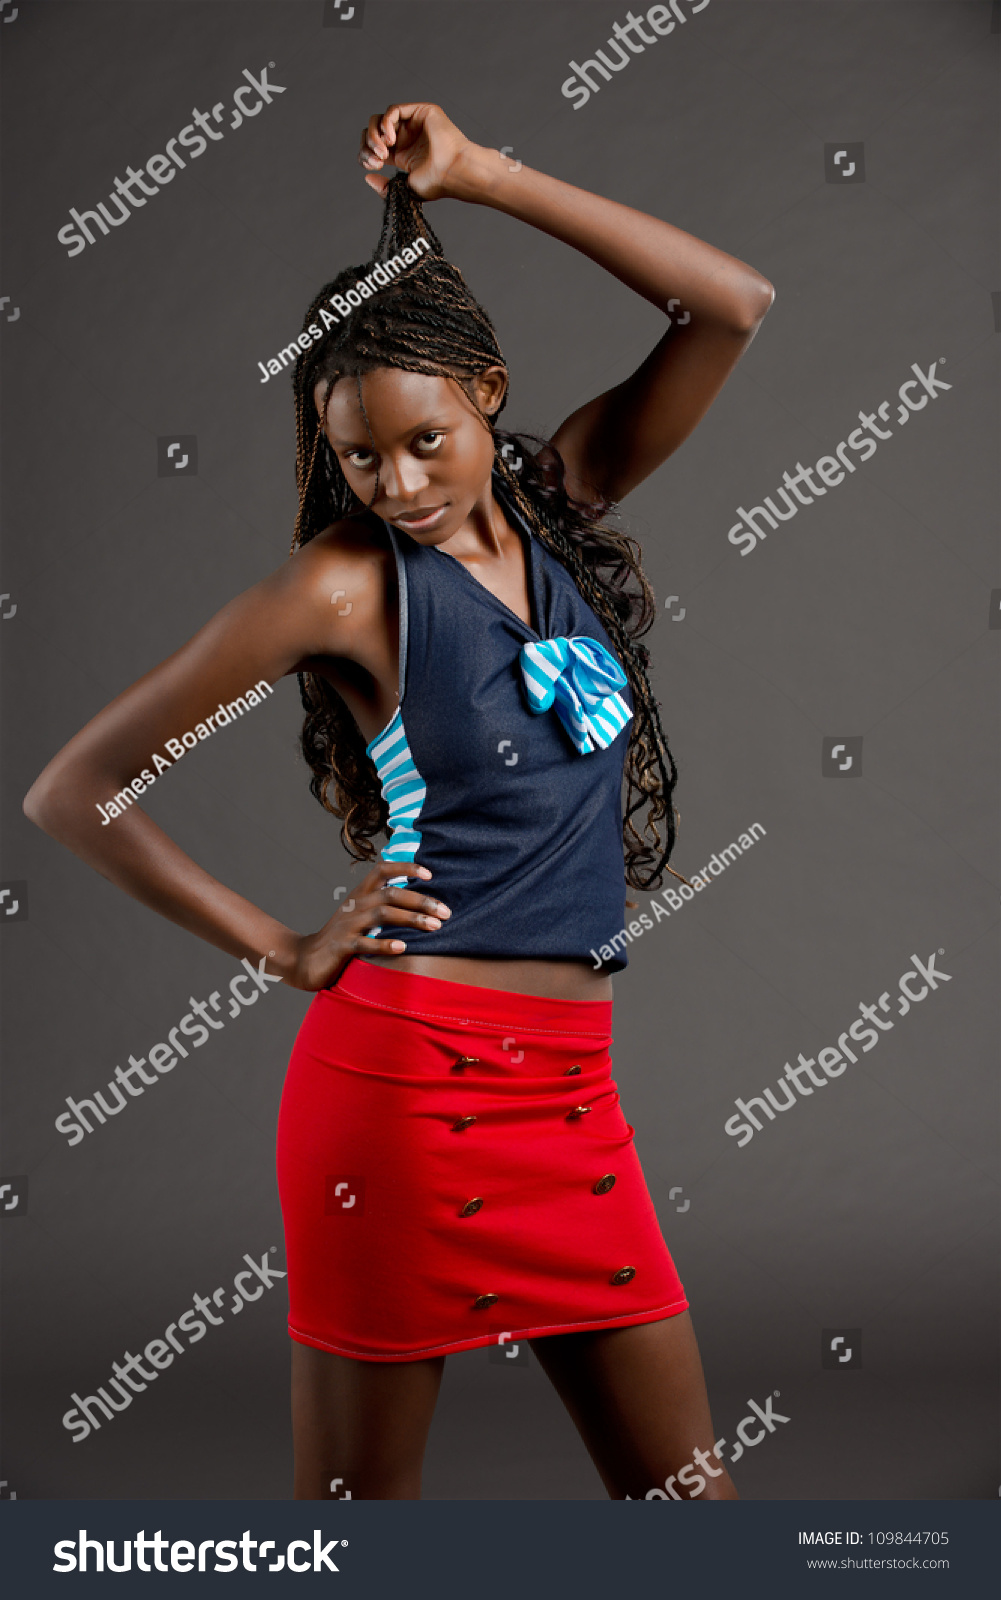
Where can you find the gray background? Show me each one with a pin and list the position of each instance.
(871, 1208)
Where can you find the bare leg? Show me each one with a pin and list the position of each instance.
(637, 1397)
(364, 1422)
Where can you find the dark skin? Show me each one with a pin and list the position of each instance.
(636, 1394)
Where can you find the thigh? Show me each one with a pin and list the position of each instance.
(637, 1397)
(363, 1422)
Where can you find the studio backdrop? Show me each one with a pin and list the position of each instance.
(179, 181)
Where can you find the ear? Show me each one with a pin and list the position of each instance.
(491, 387)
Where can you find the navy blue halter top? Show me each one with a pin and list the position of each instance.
(521, 830)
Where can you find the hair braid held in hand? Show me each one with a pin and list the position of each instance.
(426, 320)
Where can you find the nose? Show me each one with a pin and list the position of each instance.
(402, 479)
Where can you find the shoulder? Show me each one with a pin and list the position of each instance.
(334, 589)
(354, 555)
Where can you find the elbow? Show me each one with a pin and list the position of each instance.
(33, 805)
(756, 303)
(40, 804)
(767, 297)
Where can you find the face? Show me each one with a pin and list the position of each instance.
(432, 452)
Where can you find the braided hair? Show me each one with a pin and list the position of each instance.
(426, 321)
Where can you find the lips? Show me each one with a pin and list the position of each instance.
(422, 519)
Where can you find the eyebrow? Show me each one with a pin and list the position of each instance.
(422, 427)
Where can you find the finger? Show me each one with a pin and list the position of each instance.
(373, 136)
(368, 159)
(402, 869)
(389, 122)
(403, 113)
(387, 947)
(383, 883)
(374, 883)
(380, 185)
(398, 896)
(397, 114)
(387, 911)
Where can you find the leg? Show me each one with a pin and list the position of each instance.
(637, 1397)
(365, 1422)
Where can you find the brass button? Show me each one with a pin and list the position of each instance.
(623, 1275)
(604, 1184)
(463, 1122)
(472, 1206)
(483, 1300)
(578, 1111)
(462, 1062)
(571, 1072)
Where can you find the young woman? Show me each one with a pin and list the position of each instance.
(454, 1167)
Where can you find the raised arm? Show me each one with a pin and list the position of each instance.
(277, 627)
(717, 303)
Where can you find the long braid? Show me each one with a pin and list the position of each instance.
(427, 321)
(304, 478)
(634, 658)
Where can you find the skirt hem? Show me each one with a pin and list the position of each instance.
(675, 1308)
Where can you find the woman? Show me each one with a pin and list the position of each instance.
(454, 1167)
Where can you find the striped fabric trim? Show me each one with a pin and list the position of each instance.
(578, 676)
(404, 791)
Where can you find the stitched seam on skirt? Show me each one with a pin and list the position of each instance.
(556, 1327)
(441, 1016)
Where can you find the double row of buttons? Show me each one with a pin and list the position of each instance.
(602, 1186)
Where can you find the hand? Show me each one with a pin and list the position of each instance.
(417, 139)
(318, 958)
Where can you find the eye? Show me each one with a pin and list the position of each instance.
(436, 435)
(350, 456)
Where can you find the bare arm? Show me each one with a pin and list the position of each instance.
(617, 439)
(271, 630)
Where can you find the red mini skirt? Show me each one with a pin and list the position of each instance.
(455, 1169)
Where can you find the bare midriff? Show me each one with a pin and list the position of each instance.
(555, 980)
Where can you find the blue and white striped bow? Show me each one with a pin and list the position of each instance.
(582, 679)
